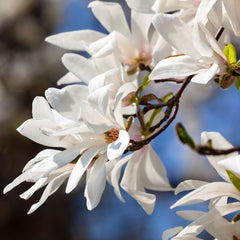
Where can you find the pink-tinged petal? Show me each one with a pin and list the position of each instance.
(51, 188)
(189, 185)
(153, 172)
(206, 75)
(169, 233)
(81, 166)
(117, 148)
(171, 27)
(41, 109)
(232, 9)
(113, 17)
(96, 181)
(82, 67)
(76, 40)
(140, 24)
(207, 192)
(141, 5)
(218, 142)
(68, 78)
(177, 67)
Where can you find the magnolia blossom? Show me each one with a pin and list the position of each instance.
(88, 145)
(203, 63)
(217, 192)
(140, 45)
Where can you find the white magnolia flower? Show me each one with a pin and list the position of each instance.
(88, 145)
(217, 192)
(140, 45)
(201, 57)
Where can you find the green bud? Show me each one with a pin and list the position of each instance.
(183, 136)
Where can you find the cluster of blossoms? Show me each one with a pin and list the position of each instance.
(103, 118)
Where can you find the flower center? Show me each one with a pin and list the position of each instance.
(111, 135)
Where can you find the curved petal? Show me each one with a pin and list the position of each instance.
(96, 182)
(117, 148)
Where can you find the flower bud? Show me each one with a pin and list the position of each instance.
(226, 80)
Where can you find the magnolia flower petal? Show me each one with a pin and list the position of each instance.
(153, 173)
(177, 67)
(62, 158)
(218, 142)
(39, 157)
(205, 76)
(41, 109)
(233, 14)
(21, 178)
(104, 46)
(32, 129)
(68, 78)
(232, 164)
(190, 215)
(73, 62)
(81, 166)
(132, 184)
(117, 148)
(96, 182)
(114, 172)
(113, 17)
(167, 234)
(171, 27)
(76, 40)
(51, 188)
(39, 184)
(141, 5)
(208, 191)
(189, 185)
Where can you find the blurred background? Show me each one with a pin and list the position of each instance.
(28, 66)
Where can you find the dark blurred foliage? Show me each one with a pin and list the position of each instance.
(28, 66)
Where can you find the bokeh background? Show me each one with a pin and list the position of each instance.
(28, 66)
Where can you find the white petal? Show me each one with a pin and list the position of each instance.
(81, 166)
(189, 185)
(190, 215)
(83, 68)
(68, 78)
(171, 27)
(39, 184)
(141, 5)
(62, 158)
(116, 149)
(205, 76)
(21, 178)
(153, 172)
(41, 109)
(208, 191)
(177, 67)
(171, 232)
(113, 17)
(49, 190)
(96, 182)
(76, 40)
(218, 142)
(232, 164)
